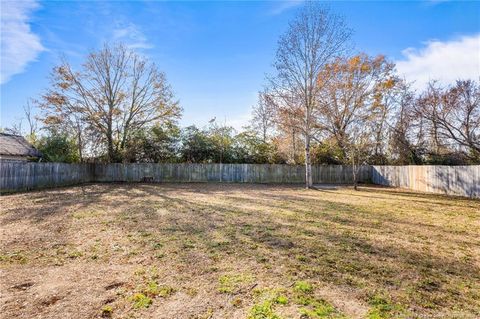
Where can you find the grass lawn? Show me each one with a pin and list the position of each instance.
(238, 251)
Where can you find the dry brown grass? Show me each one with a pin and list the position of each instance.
(238, 251)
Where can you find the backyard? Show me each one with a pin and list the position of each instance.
(238, 251)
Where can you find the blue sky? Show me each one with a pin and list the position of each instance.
(215, 54)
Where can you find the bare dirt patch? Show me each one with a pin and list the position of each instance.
(238, 251)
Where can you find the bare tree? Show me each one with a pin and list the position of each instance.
(427, 107)
(31, 120)
(406, 136)
(15, 128)
(114, 94)
(454, 116)
(263, 120)
(314, 38)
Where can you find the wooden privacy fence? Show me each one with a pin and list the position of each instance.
(228, 173)
(24, 176)
(452, 180)
(17, 176)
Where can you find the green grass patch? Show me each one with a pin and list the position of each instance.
(382, 307)
(141, 301)
(107, 311)
(154, 290)
(16, 257)
(263, 310)
(303, 286)
(232, 282)
(321, 309)
(282, 300)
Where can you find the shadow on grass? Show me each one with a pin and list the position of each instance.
(322, 240)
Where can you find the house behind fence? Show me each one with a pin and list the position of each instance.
(16, 148)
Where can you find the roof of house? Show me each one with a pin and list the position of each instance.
(16, 145)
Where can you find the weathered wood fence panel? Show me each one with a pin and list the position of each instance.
(450, 180)
(15, 176)
(228, 173)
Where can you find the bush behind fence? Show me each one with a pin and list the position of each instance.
(453, 180)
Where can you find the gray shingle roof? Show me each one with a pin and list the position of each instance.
(16, 145)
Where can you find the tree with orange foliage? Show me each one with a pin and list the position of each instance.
(354, 104)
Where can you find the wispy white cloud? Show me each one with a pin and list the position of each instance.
(443, 61)
(131, 35)
(282, 6)
(19, 44)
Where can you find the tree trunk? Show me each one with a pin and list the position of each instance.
(354, 172)
(294, 148)
(79, 142)
(308, 164)
(355, 182)
(80, 147)
(111, 150)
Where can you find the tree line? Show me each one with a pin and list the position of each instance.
(324, 103)
(356, 109)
